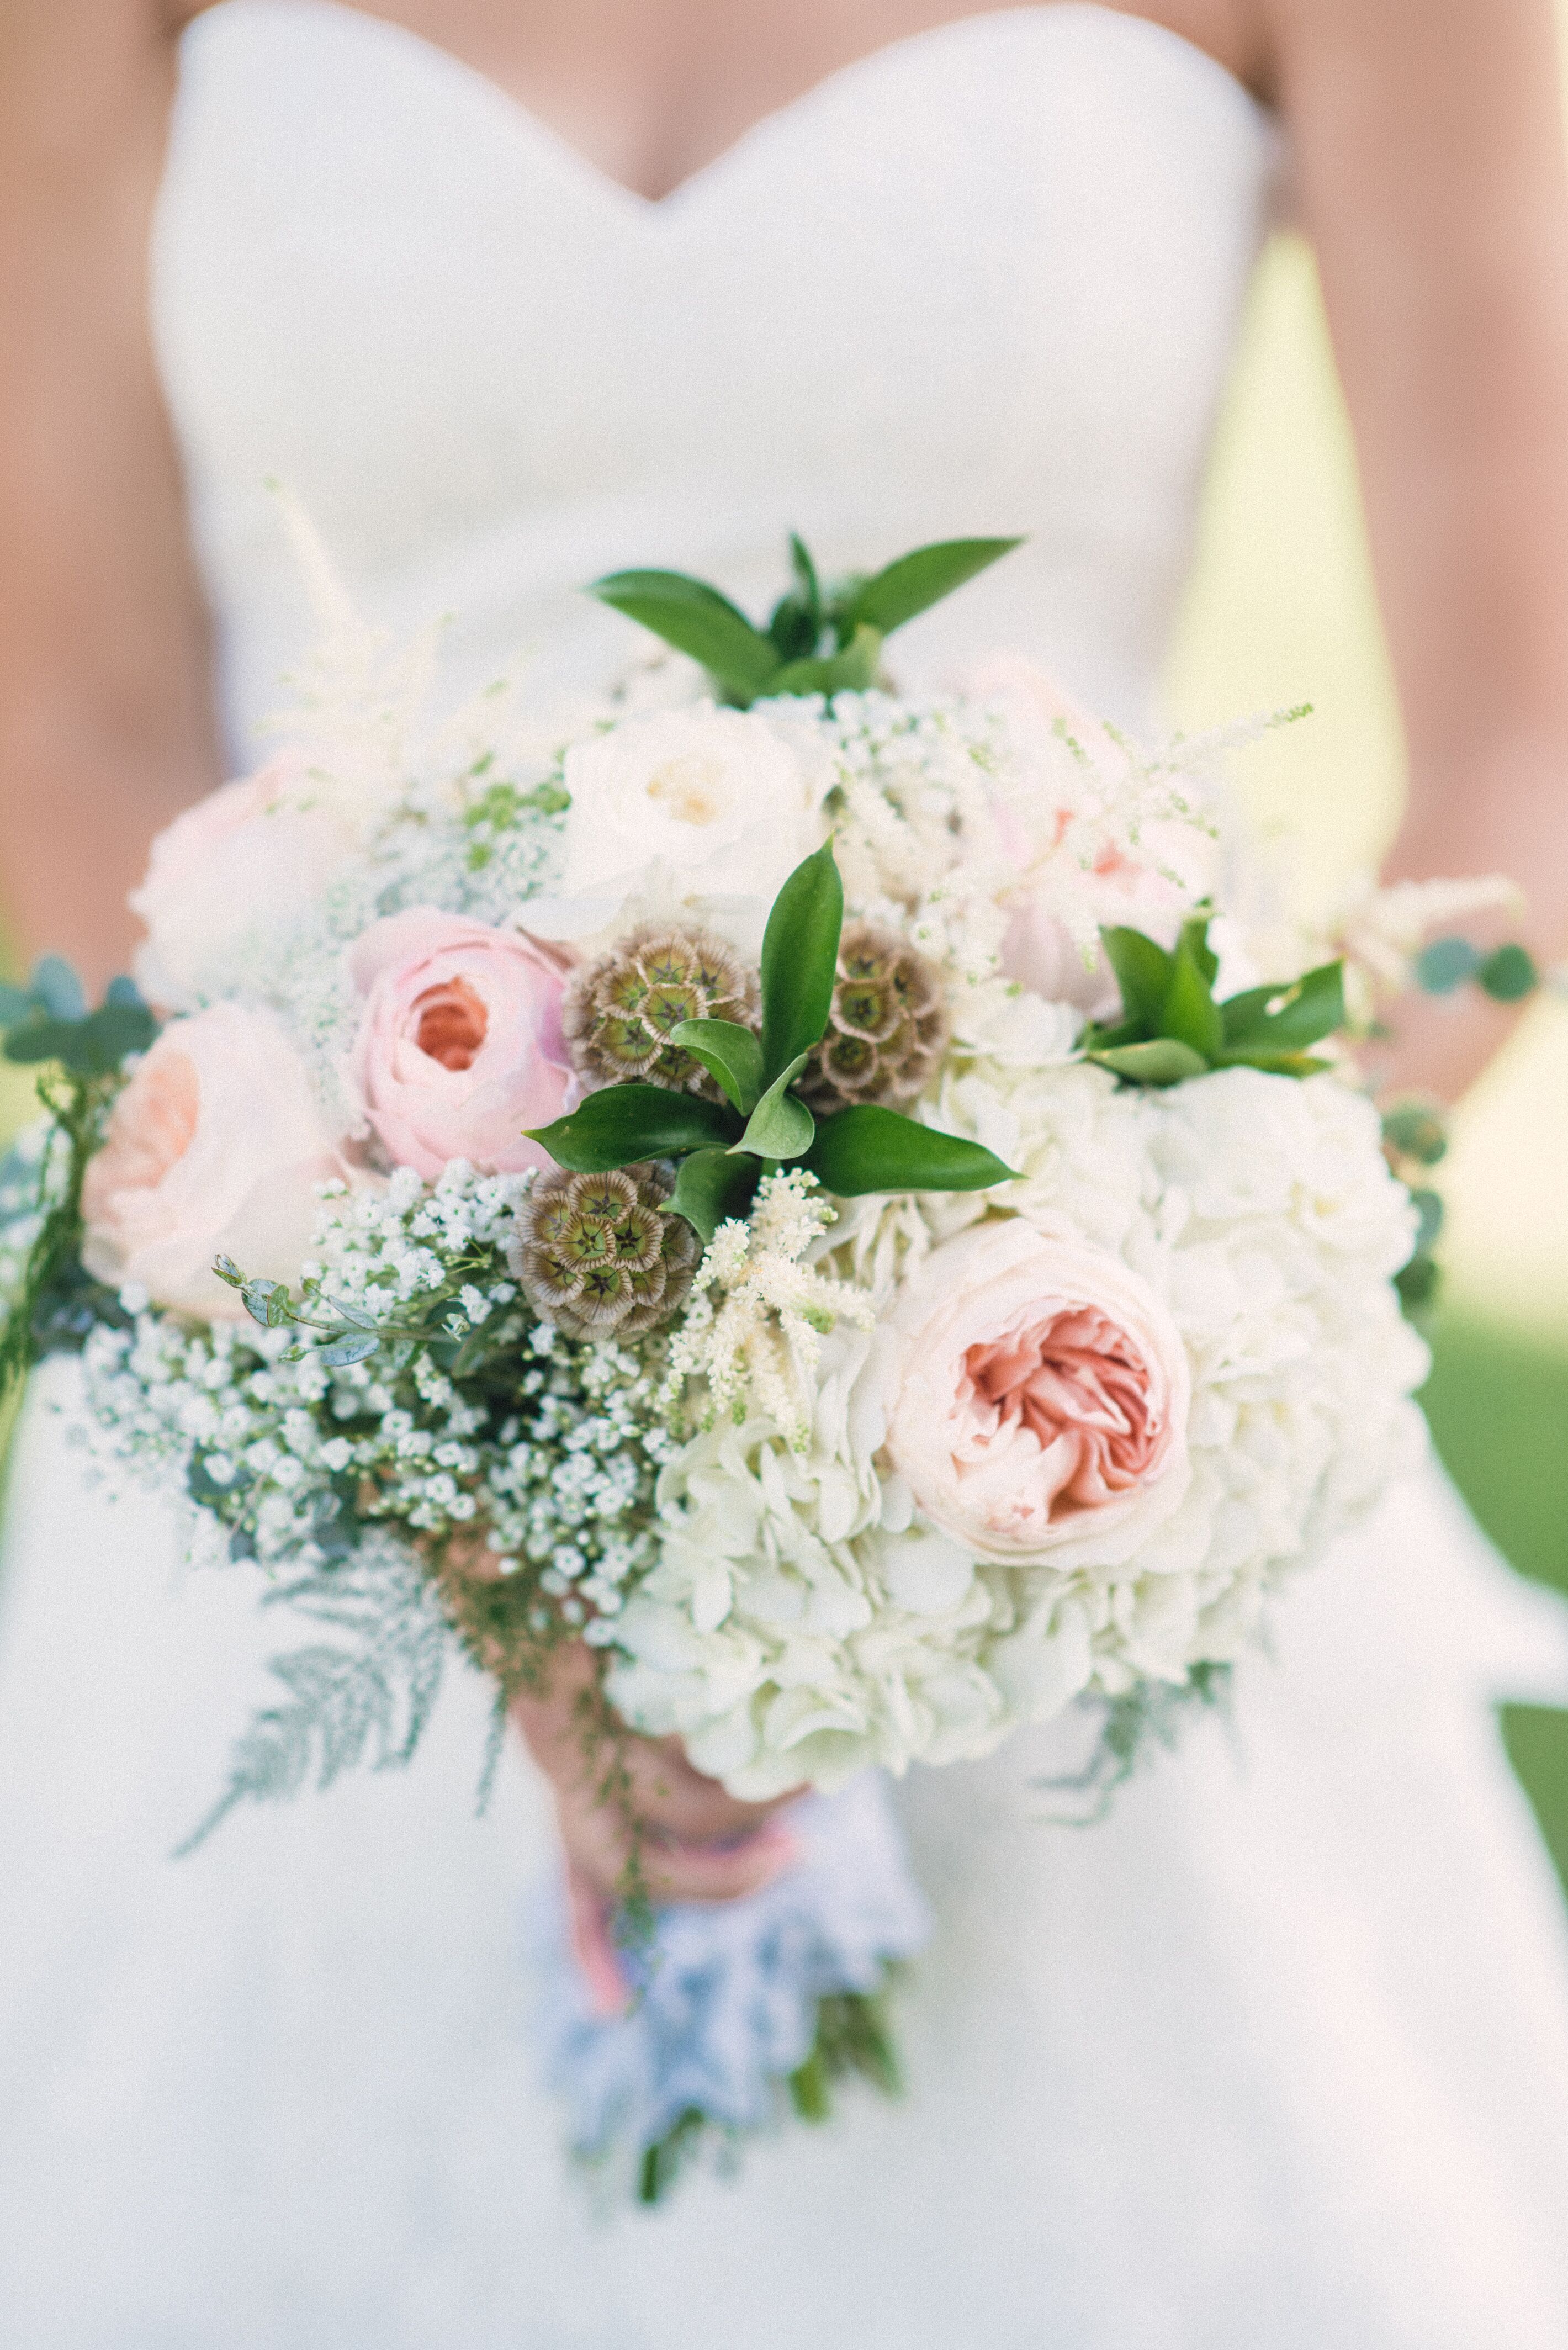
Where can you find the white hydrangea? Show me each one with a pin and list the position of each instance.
(803, 1620)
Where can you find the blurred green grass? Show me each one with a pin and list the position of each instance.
(1498, 1405)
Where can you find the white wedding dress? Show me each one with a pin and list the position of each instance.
(1276, 2059)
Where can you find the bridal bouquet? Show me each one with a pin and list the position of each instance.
(797, 1188)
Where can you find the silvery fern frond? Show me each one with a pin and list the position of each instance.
(365, 1699)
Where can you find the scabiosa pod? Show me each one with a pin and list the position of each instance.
(597, 1254)
(621, 1012)
(887, 1029)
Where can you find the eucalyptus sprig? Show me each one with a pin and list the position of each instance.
(1506, 974)
(48, 1020)
(345, 1333)
(1172, 1028)
(725, 1147)
(819, 638)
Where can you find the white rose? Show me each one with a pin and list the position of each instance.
(708, 800)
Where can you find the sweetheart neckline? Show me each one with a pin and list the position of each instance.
(630, 202)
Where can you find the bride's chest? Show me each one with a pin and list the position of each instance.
(379, 277)
(649, 92)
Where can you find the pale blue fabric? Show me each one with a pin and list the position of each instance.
(728, 1996)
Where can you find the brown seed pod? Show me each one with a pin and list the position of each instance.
(887, 1030)
(597, 1254)
(619, 1011)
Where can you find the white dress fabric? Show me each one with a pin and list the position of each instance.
(1275, 2059)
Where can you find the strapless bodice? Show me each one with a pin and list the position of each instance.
(984, 281)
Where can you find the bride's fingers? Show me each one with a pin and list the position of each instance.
(667, 1793)
(590, 1911)
(673, 1868)
(695, 1841)
(680, 1871)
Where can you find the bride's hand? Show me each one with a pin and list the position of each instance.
(696, 1843)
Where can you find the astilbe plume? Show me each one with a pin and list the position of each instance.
(597, 1256)
(887, 1029)
(619, 1011)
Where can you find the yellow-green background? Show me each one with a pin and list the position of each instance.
(1282, 611)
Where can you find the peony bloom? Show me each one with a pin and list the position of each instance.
(216, 1144)
(1043, 1398)
(240, 861)
(460, 1049)
(710, 798)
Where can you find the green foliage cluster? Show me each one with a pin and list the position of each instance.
(1146, 1719)
(48, 1020)
(725, 1147)
(1508, 973)
(1416, 1139)
(1172, 1028)
(854, 2041)
(820, 639)
(79, 1053)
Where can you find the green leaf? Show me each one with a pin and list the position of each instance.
(781, 1126)
(806, 581)
(711, 1186)
(869, 1149)
(1416, 1131)
(1509, 974)
(729, 1052)
(352, 1349)
(1161, 1062)
(624, 1123)
(849, 672)
(800, 960)
(1288, 1018)
(796, 623)
(16, 1003)
(1189, 1013)
(1142, 973)
(918, 581)
(266, 1302)
(354, 1314)
(1446, 964)
(1196, 932)
(1273, 1064)
(1428, 1207)
(56, 986)
(38, 1040)
(696, 619)
(791, 630)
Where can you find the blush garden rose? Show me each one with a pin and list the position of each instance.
(460, 1045)
(216, 1144)
(1041, 1405)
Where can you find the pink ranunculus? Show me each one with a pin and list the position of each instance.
(216, 1144)
(241, 860)
(460, 1049)
(1043, 1398)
